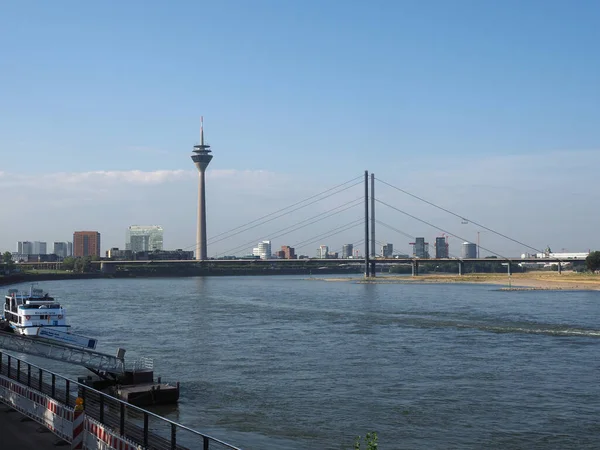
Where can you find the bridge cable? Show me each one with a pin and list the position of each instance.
(459, 216)
(353, 244)
(440, 229)
(284, 231)
(279, 216)
(286, 208)
(329, 233)
(409, 236)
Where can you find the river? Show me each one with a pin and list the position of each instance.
(291, 362)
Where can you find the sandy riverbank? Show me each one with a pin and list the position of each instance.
(540, 280)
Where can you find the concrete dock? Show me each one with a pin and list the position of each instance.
(23, 435)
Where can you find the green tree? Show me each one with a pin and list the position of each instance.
(83, 265)
(9, 265)
(593, 261)
(68, 263)
(7, 257)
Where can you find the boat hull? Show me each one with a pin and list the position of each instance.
(33, 331)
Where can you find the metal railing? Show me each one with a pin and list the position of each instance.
(150, 430)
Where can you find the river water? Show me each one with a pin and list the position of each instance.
(296, 363)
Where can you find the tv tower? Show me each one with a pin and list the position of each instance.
(201, 158)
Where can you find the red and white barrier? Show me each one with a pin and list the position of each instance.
(71, 425)
(78, 432)
(55, 416)
(99, 437)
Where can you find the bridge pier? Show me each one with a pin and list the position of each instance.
(559, 268)
(509, 268)
(372, 268)
(415, 268)
(461, 267)
(108, 268)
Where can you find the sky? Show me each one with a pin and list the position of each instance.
(489, 109)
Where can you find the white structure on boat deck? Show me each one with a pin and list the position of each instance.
(28, 312)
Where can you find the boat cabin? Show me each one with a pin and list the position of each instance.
(26, 312)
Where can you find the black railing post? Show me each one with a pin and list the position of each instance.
(101, 408)
(8, 366)
(1, 357)
(53, 386)
(18, 370)
(40, 384)
(122, 420)
(206, 442)
(67, 388)
(28, 375)
(145, 429)
(173, 437)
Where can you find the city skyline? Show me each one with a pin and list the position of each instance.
(501, 128)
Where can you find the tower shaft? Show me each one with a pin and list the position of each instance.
(201, 241)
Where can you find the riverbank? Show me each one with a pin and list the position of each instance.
(519, 281)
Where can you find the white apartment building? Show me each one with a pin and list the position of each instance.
(263, 251)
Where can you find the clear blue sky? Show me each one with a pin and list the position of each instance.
(302, 88)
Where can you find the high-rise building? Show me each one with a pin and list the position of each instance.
(86, 243)
(144, 238)
(441, 247)
(387, 250)
(347, 250)
(69, 249)
(469, 250)
(25, 248)
(263, 251)
(39, 248)
(420, 248)
(323, 252)
(288, 252)
(60, 249)
(202, 158)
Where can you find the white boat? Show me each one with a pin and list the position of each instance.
(29, 312)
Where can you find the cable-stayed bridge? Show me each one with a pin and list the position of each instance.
(355, 211)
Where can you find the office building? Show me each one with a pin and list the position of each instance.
(287, 252)
(263, 251)
(323, 252)
(144, 238)
(441, 247)
(469, 250)
(387, 250)
(24, 248)
(86, 243)
(347, 250)
(60, 249)
(420, 248)
(69, 249)
(39, 248)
